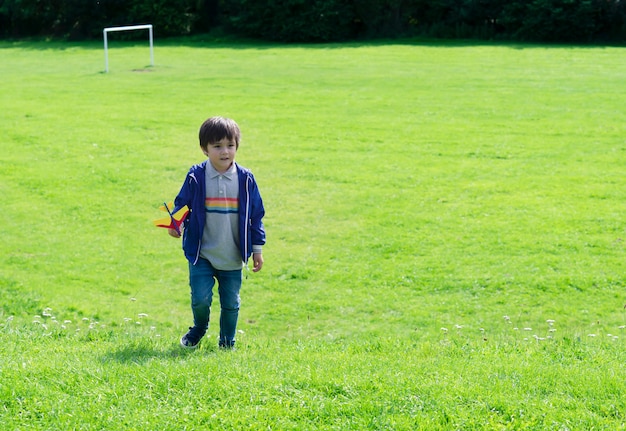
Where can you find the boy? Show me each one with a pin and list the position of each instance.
(223, 228)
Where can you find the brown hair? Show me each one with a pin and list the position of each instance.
(217, 128)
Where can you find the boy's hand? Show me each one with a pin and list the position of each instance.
(173, 233)
(257, 258)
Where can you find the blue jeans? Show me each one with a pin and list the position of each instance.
(202, 277)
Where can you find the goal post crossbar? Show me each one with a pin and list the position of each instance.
(125, 28)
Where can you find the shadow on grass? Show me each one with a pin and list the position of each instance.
(205, 41)
(143, 352)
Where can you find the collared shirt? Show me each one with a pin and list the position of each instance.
(220, 237)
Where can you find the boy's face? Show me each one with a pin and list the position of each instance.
(221, 154)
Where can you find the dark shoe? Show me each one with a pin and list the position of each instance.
(191, 339)
(227, 345)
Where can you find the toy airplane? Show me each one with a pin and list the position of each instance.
(174, 220)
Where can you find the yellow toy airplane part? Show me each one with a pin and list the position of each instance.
(167, 206)
(174, 220)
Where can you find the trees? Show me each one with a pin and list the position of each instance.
(291, 20)
(84, 19)
(326, 20)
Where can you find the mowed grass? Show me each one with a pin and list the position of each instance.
(445, 237)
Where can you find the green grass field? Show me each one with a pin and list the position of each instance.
(446, 237)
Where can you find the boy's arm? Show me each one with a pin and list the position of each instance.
(257, 212)
(183, 198)
(258, 236)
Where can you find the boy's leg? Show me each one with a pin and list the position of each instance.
(201, 281)
(229, 287)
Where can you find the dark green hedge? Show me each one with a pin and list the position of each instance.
(85, 19)
(325, 20)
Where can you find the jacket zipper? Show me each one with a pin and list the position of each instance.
(247, 220)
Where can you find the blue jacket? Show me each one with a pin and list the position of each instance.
(251, 212)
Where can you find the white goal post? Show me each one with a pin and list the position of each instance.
(124, 28)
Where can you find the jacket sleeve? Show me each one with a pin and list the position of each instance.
(257, 212)
(185, 195)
